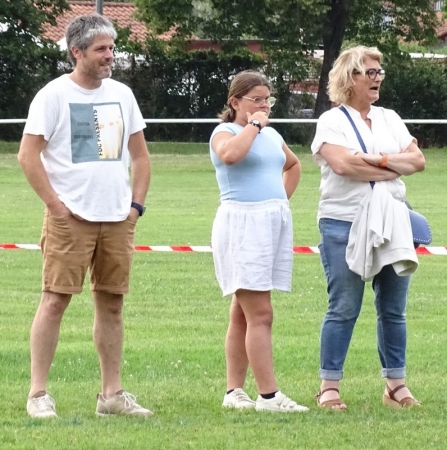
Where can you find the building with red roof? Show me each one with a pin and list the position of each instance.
(122, 13)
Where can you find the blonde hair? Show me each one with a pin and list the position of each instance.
(241, 85)
(341, 76)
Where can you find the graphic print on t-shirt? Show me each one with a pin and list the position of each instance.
(97, 132)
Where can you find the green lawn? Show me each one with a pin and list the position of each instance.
(175, 322)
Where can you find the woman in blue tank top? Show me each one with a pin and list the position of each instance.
(252, 236)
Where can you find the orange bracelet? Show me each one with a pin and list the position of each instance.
(384, 161)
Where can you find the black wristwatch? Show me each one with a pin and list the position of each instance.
(256, 123)
(138, 207)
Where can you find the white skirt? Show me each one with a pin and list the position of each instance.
(253, 246)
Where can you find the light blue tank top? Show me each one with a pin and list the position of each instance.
(258, 176)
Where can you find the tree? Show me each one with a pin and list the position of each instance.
(416, 88)
(290, 30)
(278, 24)
(26, 60)
(373, 23)
(173, 82)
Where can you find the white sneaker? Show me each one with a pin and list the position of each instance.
(238, 399)
(279, 403)
(121, 403)
(43, 407)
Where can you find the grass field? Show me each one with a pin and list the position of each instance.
(175, 322)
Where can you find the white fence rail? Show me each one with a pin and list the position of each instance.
(273, 120)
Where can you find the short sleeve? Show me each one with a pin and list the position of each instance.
(328, 131)
(137, 122)
(399, 129)
(225, 126)
(42, 115)
(228, 127)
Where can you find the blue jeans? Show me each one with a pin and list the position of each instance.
(345, 289)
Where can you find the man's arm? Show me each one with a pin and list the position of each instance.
(140, 169)
(29, 159)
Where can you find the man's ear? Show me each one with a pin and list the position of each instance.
(75, 52)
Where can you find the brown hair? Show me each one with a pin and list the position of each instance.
(241, 85)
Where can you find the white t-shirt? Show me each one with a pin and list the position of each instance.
(340, 196)
(87, 158)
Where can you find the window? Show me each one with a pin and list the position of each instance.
(438, 5)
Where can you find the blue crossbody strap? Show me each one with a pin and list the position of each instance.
(419, 224)
(359, 137)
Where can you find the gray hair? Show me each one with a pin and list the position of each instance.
(82, 30)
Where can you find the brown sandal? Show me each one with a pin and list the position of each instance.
(330, 403)
(390, 399)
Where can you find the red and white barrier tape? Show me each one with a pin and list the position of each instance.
(206, 249)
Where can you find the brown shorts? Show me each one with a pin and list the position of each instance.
(71, 246)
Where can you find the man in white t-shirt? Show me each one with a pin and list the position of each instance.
(84, 131)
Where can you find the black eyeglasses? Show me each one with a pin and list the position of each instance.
(372, 73)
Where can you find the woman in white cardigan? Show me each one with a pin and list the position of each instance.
(346, 173)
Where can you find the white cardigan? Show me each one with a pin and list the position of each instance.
(381, 235)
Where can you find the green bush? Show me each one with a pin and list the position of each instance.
(173, 82)
(416, 89)
(23, 73)
(176, 83)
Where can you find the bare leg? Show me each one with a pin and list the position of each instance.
(258, 313)
(44, 337)
(108, 338)
(236, 355)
